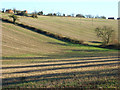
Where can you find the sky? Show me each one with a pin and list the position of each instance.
(108, 8)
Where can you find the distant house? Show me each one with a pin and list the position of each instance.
(118, 18)
(25, 11)
(9, 11)
(111, 18)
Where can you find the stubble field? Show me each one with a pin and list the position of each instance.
(33, 60)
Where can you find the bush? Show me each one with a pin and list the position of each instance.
(23, 13)
(14, 17)
(49, 14)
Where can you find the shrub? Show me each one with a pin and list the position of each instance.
(23, 13)
(14, 17)
(49, 14)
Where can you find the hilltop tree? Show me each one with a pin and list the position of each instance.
(40, 13)
(103, 17)
(54, 14)
(80, 15)
(68, 15)
(89, 16)
(72, 14)
(34, 15)
(14, 17)
(49, 14)
(64, 15)
(3, 10)
(105, 33)
(58, 14)
(14, 10)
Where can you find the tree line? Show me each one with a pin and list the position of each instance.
(35, 13)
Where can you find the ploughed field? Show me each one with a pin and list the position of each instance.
(33, 60)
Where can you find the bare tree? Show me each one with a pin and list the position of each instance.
(58, 14)
(105, 33)
(89, 16)
(72, 14)
(14, 10)
(34, 14)
(103, 17)
(3, 10)
(40, 13)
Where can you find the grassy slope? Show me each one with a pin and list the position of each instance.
(77, 28)
(81, 29)
(18, 41)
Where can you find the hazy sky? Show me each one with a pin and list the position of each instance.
(108, 8)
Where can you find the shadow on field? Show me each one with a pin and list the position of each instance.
(64, 76)
(4, 58)
(57, 43)
(87, 50)
(45, 65)
(95, 42)
(39, 70)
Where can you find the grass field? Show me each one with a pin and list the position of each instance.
(33, 60)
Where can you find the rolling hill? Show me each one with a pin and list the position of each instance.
(33, 60)
(73, 27)
(18, 41)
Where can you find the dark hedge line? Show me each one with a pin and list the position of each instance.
(56, 36)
